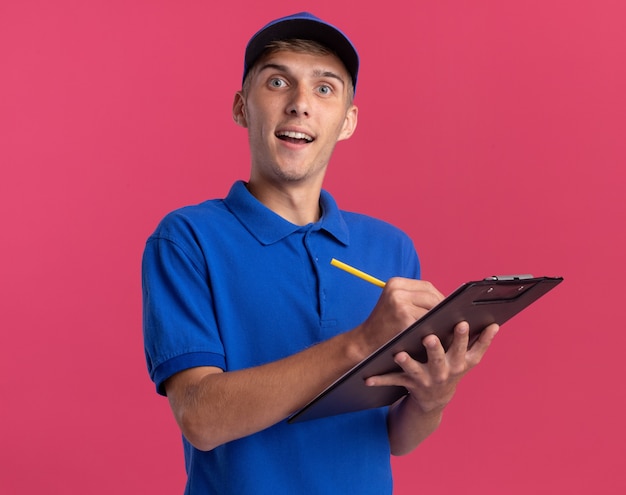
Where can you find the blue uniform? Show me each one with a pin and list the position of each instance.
(229, 283)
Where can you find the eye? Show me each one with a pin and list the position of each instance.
(325, 89)
(276, 82)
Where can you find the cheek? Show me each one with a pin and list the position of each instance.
(258, 118)
(259, 134)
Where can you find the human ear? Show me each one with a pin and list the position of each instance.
(349, 123)
(239, 110)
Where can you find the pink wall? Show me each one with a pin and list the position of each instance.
(492, 132)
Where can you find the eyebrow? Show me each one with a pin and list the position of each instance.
(316, 72)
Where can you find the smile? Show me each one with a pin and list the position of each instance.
(294, 137)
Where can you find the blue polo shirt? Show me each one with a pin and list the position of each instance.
(229, 283)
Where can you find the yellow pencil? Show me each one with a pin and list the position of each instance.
(357, 273)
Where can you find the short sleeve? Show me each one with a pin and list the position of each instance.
(179, 325)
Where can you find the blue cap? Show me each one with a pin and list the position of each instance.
(303, 26)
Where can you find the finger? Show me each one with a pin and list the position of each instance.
(426, 295)
(420, 293)
(478, 350)
(437, 363)
(409, 365)
(412, 371)
(414, 285)
(458, 348)
(396, 379)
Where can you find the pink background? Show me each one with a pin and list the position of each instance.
(492, 132)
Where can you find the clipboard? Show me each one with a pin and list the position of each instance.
(480, 303)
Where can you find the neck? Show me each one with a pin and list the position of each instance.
(298, 205)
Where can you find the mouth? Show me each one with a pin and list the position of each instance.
(295, 137)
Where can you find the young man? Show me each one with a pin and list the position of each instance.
(245, 320)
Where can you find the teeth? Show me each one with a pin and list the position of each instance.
(296, 135)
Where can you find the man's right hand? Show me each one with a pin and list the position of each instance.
(402, 302)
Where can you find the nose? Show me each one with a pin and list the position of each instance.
(299, 104)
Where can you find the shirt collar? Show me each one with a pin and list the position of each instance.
(268, 227)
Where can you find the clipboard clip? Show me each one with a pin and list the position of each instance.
(495, 278)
